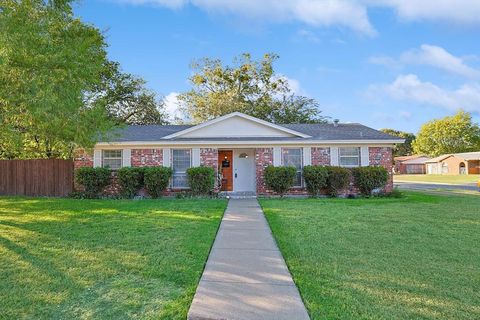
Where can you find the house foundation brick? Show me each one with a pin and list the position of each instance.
(383, 156)
(146, 157)
(321, 156)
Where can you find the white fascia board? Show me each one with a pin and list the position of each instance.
(236, 114)
(227, 143)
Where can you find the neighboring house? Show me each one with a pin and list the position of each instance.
(410, 164)
(455, 164)
(240, 147)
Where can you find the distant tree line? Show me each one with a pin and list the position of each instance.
(451, 134)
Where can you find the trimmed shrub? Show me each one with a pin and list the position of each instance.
(280, 179)
(131, 180)
(316, 179)
(367, 179)
(156, 180)
(201, 180)
(338, 180)
(93, 180)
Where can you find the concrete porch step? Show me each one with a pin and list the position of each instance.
(238, 194)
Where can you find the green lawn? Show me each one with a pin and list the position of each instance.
(103, 259)
(460, 179)
(416, 257)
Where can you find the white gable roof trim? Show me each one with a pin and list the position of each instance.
(254, 120)
(229, 143)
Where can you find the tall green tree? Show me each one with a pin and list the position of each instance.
(404, 149)
(248, 86)
(58, 90)
(127, 99)
(452, 134)
(48, 61)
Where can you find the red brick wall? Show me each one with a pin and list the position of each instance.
(263, 158)
(83, 159)
(383, 156)
(209, 158)
(320, 156)
(147, 157)
(379, 156)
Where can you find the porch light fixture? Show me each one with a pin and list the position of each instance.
(243, 156)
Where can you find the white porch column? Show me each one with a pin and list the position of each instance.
(166, 157)
(97, 158)
(334, 156)
(126, 157)
(307, 156)
(195, 157)
(364, 157)
(277, 156)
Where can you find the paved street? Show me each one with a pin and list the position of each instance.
(427, 186)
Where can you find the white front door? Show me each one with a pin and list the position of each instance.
(243, 170)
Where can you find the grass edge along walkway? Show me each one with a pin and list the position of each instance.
(66, 258)
(382, 258)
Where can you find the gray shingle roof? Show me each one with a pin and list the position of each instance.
(320, 131)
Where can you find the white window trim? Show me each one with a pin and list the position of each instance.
(301, 165)
(112, 158)
(350, 166)
(171, 166)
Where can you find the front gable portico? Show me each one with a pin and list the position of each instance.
(236, 125)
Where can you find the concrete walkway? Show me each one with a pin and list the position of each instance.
(246, 276)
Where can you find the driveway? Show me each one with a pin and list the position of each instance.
(442, 187)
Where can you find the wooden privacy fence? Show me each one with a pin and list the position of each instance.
(42, 177)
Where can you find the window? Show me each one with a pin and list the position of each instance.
(112, 159)
(181, 161)
(293, 158)
(444, 168)
(349, 157)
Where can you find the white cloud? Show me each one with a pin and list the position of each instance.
(429, 55)
(323, 13)
(293, 84)
(352, 14)
(172, 107)
(410, 88)
(405, 115)
(453, 11)
(385, 61)
(440, 58)
(172, 4)
(308, 35)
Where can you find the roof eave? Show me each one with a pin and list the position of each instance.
(249, 142)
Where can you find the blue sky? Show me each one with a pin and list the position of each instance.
(383, 63)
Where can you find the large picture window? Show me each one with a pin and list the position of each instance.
(112, 159)
(349, 157)
(292, 157)
(181, 161)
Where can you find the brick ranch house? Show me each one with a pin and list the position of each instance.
(455, 164)
(240, 147)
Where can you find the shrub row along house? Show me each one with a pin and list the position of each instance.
(240, 147)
